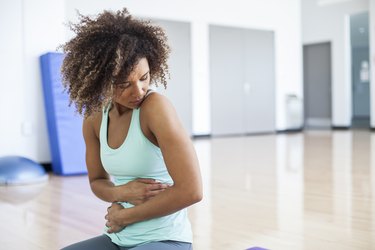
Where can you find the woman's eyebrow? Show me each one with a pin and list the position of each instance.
(127, 81)
(146, 73)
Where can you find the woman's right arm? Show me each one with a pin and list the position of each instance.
(135, 192)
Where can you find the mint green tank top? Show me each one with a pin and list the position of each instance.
(137, 157)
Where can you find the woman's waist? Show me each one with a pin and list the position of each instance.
(169, 224)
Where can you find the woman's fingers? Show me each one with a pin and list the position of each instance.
(154, 193)
(158, 186)
(154, 184)
(140, 190)
(147, 180)
(154, 189)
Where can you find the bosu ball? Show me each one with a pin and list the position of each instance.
(16, 170)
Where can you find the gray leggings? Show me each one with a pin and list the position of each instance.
(104, 242)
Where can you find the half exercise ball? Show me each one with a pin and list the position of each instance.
(16, 170)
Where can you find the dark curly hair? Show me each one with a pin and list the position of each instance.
(105, 50)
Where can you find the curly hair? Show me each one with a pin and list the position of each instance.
(105, 50)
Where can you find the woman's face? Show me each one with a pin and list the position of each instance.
(131, 92)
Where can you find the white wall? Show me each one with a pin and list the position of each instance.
(28, 31)
(11, 84)
(38, 31)
(331, 23)
(264, 14)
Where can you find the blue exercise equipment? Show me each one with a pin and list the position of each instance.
(63, 123)
(16, 170)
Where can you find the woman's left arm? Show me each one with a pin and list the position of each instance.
(180, 159)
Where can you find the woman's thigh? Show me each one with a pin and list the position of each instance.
(165, 245)
(96, 243)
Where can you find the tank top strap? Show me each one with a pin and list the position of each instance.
(150, 91)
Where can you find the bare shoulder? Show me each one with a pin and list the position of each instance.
(156, 104)
(159, 113)
(91, 124)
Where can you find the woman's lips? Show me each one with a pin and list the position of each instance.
(137, 102)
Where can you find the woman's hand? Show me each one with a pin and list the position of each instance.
(140, 190)
(113, 217)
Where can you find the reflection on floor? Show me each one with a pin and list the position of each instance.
(311, 190)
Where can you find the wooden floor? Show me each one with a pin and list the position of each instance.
(311, 190)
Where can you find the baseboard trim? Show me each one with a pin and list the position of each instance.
(340, 127)
(290, 131)
(204, 136)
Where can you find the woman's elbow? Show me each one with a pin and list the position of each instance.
(195, 196)
(198, 197)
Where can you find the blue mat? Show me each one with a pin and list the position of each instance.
(64, 125)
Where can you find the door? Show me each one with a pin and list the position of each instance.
(259, 82)
(317, 85)
(242, 81)
(227, 78)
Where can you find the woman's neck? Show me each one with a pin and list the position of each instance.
(120, 110)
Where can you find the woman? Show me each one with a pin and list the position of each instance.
(131, 133)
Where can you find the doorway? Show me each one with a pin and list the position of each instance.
(359, 39)
(242, 78)
(317, 85)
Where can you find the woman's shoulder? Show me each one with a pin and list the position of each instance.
(93, 122)
(156, 102)
(157, 111)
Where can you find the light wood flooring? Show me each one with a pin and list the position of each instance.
(311, 190)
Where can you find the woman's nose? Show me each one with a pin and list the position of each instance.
(138, 90)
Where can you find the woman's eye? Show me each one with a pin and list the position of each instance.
(144, 78)
(123, 86)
